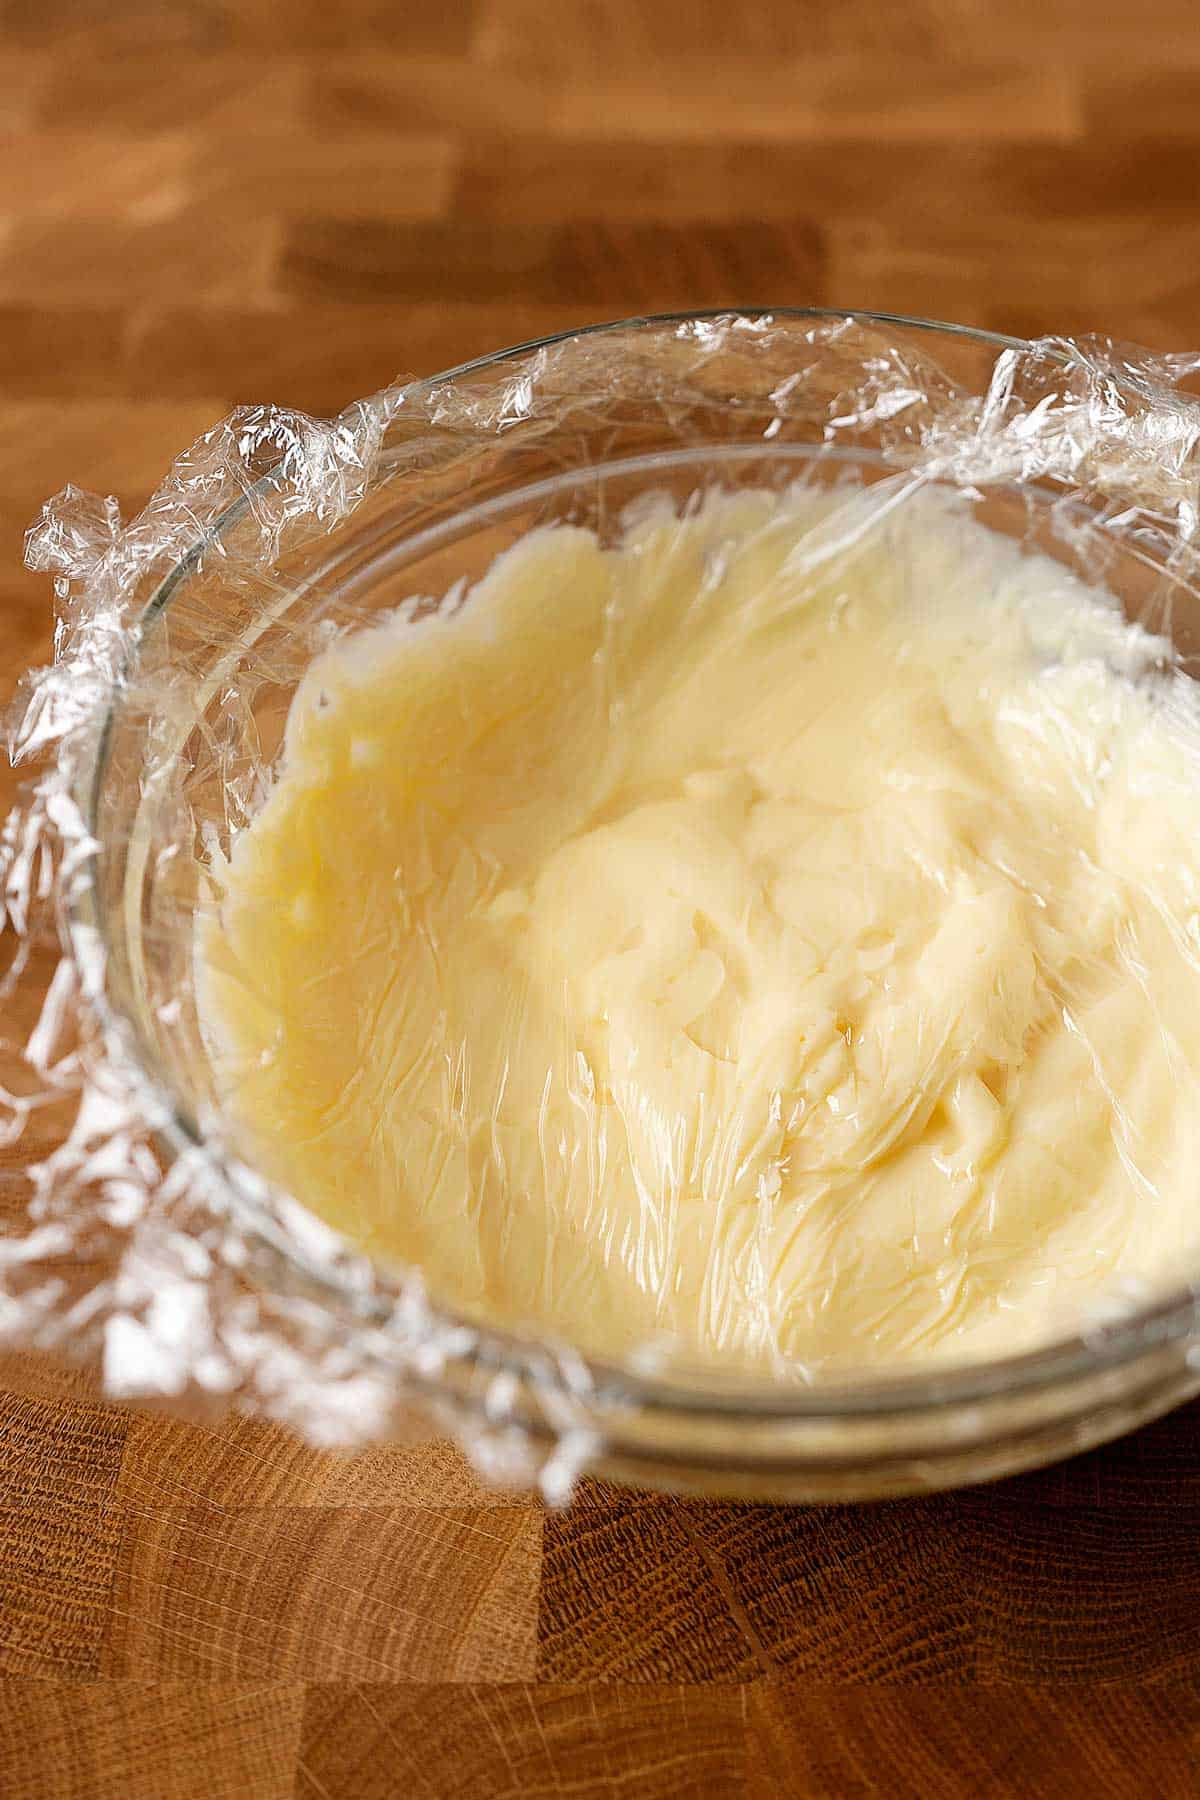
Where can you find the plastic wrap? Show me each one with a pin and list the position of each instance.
(149, 1245)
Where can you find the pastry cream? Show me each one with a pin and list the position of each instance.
(773, 936)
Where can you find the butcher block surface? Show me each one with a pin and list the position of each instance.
(209, 202)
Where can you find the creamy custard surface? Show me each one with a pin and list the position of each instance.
(773, 937)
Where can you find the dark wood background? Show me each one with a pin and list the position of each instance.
(205, 202)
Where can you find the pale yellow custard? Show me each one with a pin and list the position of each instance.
(773, 938)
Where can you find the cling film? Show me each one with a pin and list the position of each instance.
(668, 849)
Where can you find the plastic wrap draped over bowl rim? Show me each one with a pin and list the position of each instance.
(699, 1396)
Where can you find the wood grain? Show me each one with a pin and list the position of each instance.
(1120, 1742)
(171, 1740)
(318, 1593)
(205, 202)
(1000, 1586)
(60, 1536)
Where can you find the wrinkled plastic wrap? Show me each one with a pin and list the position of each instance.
(148, 1245)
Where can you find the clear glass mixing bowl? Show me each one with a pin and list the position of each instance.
(652, 403)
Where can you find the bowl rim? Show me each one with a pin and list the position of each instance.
(1173, 1317)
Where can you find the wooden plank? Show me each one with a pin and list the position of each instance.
(629, 1594)
(513, 179)
(858, 1743)
(166, 1741)
(603, 269)
(676, 1590)
(519, 1740)
(216, 1593)
(171, 1463)
(266, 352)
(60, 1536)
(668, 96)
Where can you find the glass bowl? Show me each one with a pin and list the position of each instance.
(573, 428)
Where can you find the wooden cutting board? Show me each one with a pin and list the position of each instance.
(225, 1611)
(213, 201)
